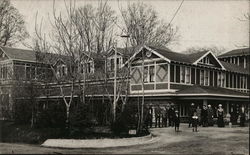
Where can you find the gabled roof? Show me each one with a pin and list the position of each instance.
(180, 57)
(236, 52)
(209, 90)
(193, 57)
(169, 54)
(128, 51)
(19, 54)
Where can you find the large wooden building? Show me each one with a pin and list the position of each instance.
(199, 78)
(156, 73)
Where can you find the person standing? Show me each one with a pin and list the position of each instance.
(242, 116)
(195, 122)
(164, 117)
(198, 111)
(204, 116)
(220, 114)
(157, 116)
(171, 114)
(176, 121)
(210, 115)
(149, 116)
(191, 113)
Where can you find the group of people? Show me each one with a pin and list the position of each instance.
(203, 117)
(169, 116)
(164, 117)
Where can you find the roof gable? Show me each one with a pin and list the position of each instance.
(146, 50)
(207, 59)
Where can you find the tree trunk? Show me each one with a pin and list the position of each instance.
(67, 117)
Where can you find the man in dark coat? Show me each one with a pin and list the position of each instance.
(157, 116)
(204, 119)
(171, 114)
(176, 121)
(190, 114)
(163, 117)
(149, 111)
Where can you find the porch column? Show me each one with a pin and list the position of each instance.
(168, 75)
(205, 102)
(227, 104)
(153, 114)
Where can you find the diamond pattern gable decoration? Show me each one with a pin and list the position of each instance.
(164, 70)
(136, 75)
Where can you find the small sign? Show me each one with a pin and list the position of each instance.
(132, 132)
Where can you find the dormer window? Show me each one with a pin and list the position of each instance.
(61, 70)
(87, 68)
(111, 63)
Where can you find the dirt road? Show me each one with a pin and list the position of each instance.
(210, 140)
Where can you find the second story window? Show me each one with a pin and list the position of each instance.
(182, 74)
(151, 73)
(187, 75)
(146, 76)
(206, 77)
(87, 68)
(202, 77)
(61, 70)
(111, 63)
(3, 72)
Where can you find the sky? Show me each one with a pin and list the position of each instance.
(200, 23)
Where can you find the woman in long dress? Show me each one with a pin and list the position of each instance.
(220, 113)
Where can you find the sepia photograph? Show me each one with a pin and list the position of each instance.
(124, 77)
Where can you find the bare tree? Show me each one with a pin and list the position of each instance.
(143, 26)
(76, 38)
(12, 25)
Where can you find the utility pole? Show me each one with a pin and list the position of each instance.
(142, 105)
(115, 78)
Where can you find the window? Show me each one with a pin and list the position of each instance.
(4, 71)
(241, 82)
(177, 77)
(219, 79)
(197, 76)
(61, 70)
(211, 78)
(151, 73)
(145, 74)
(182, 74)
(193, 75)
(206, 77)
(222, 79)
(28, 72)
(188, 75)
(112, 64)
(172, 73)
(202, 77)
